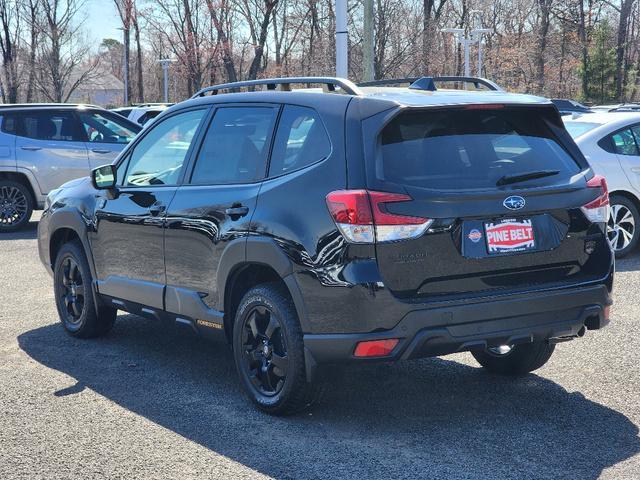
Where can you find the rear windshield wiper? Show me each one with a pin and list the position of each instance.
(521, 177)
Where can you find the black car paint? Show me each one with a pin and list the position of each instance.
(339, 289)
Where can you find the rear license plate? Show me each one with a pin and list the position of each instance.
(509, 236)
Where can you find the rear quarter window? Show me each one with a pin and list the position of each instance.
(452, 149)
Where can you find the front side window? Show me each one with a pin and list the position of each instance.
(100, 128)
(48, 125)
(159, 157)
(236, 146)
(300, 141)
(624, 143)
(465, 148)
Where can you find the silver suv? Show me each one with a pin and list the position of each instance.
(43, 146)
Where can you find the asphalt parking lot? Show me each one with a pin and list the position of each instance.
(159, 403)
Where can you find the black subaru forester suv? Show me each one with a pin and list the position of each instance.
(341, 224)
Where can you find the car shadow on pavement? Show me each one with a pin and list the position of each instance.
(630, 263)
(28, 232)
(430, 418)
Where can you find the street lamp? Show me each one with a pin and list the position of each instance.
(165, 62)
(475, 36)
(342, 38)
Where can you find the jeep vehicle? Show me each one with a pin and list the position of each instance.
(320, 226)
(43, 146)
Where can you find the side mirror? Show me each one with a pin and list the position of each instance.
(104, 177)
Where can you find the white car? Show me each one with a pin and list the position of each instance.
(141, 114)
(611, 143)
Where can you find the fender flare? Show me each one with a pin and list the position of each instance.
(260, 251)
(71, 219)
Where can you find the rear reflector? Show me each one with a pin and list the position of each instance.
(607, 312)
(362, 216)
(598, 210)
(376, 348)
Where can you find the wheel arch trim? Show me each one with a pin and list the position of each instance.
(262, 251)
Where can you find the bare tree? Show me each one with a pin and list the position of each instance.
(32, 12)
(9, 44)
(63, 57)
(125, 12)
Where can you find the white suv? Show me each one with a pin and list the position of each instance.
(43, 146)
(611, 143)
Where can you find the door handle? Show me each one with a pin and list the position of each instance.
(31, 149)
(156, 209)
(238, 211)
(100, 150)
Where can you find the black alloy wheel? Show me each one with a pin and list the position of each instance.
(15, 206)
(79, 314)
(268, 348)
(265, 359)
(72, 290)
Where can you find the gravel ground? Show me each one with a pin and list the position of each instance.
(149, 402)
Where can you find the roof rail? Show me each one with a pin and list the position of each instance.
(428, 83)
(272, 83)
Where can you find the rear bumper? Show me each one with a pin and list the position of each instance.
(492, 322)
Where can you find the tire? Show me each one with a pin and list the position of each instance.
(519, 360)
(266, 328)
(16, 206)
(623, 225)
(72, 285)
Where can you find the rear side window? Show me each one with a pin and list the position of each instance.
(236, 146)
(451, 149)
(624, 143)
(49, 125)
(9, 124)
(300, 141)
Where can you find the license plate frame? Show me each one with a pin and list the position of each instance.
(509, 236)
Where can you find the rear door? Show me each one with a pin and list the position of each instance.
(106, 135)
(503, 186)
(215, 206)
(50, 143)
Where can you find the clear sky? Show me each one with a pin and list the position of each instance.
(101, 20)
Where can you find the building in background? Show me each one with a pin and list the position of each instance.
(102, 88)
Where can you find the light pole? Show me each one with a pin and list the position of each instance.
(165, 62)
(125, 63)
(368, 42)
(342, 38)
(475, 36)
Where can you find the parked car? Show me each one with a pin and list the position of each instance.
(357, 225)
(610, 142)
(142, 114)
(569, 107)
(43, 146)
(618, 107)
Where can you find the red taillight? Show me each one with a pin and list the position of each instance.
(362, 216)
(350, 206)
(376, 348)
(598, 210)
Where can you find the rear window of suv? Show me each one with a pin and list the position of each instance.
(452, 149)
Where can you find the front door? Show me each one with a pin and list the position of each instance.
(50, 144)
(215, 205)
(106, 135)
(127, 242)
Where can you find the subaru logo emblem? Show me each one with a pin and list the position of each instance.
(514, 202)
